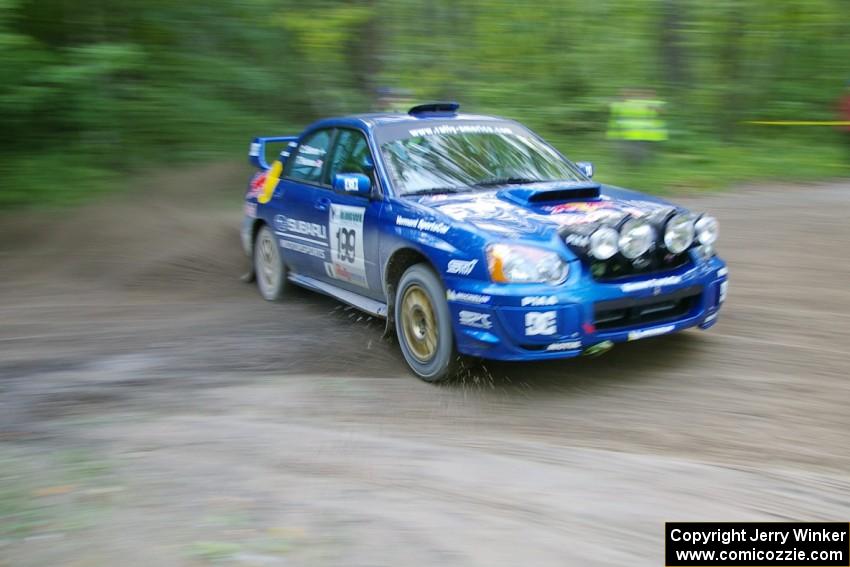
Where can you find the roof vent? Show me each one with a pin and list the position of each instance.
(435, 108)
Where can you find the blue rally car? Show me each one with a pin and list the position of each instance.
(471, 235)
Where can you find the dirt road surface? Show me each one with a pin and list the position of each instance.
(155, 411)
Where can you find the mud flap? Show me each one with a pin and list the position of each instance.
(389, 326)
(598, 349)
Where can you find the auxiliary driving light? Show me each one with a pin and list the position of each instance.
(636, 238)
(706, 230)
(679, 233)
(603, 242)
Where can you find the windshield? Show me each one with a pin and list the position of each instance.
(450, 159)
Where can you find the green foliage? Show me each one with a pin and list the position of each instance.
(90, 87)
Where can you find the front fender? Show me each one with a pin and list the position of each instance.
(448, 246)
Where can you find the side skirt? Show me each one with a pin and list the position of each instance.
(370, 306)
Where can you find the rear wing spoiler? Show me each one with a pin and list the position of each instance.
(257, 152)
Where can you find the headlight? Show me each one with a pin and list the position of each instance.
(511, 263)
(707, 230)
(603, 243)
(679, 233)
(636, 238)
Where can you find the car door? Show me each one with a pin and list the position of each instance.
(302, 233)
(352, 220)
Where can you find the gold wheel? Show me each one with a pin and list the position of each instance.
(419, 324)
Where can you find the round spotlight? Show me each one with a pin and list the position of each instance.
(603, 242)
(636, 238)
(679, 233)
(707, 229)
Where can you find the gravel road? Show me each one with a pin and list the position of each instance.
(154, 410)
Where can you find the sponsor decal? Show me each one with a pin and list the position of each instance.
(635, 208)
(570, 345)
(724, 286)
(250, 210)
(585, 212)
(257, 183)
(351, 184)
(453, 295)
(422, 224)
(461, 267)
(312, 151)
(654, 283)
(539, 300)
(282, 223)
(346, 241)
(302, 248)
(541, 323)
(255, 149)
(580, 207)
(722, 272)
(448, 129)
(308, 162)
(406, 221)
(432, 226)
(475, 319)
(342, 272)
(644, 333)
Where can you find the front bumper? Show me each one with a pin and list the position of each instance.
(539, 322)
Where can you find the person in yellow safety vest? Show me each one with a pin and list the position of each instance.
(636, 122)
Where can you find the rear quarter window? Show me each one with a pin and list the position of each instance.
(309, 158)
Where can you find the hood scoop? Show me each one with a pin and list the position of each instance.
(559, 192)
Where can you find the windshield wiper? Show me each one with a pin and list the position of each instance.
(434, 191)
(507, 181)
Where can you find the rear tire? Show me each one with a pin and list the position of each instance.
(270, 271)
(423, 324)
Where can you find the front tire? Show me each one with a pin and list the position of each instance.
(270, 271)
(423, 324)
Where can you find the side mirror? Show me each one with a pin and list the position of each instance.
(352, 184)
(586, 168)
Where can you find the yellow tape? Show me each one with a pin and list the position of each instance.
(798, 122)
(272, 178)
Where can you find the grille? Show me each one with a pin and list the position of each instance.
(629, 312)
(618, 267)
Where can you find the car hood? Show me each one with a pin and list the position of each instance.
(539, 211)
